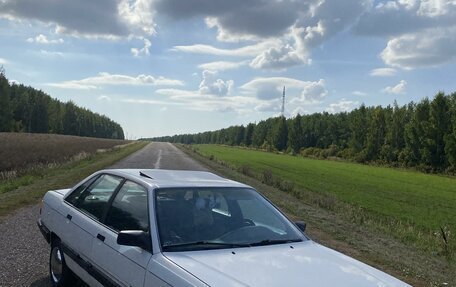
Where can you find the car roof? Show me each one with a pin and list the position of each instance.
(162, 178)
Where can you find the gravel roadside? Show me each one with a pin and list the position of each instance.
(23, 251)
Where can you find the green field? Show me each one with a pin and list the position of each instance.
(421, 203)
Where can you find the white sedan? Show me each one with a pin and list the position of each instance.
(185, 228)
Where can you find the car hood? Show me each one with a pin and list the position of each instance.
(297, 264)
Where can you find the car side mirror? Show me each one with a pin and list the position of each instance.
(136, 238)
(301, 225)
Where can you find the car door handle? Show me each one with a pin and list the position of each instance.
(69, 216)
(101, 237)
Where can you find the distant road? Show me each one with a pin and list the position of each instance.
(162, 156)
(23, 250)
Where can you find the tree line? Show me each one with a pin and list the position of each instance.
(420, 135)
(25, 109)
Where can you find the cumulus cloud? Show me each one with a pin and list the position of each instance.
(222, 65)
(296, 26)
(342, 106)
(104, 79)
(42, 39)
(323, 20)
(212, 85)
(313, 92)
(271, 88)
(102, 18)
(420, 33)
(383, 72)
(397, 89)
(143, 51)
(427, 48)
(285, 56)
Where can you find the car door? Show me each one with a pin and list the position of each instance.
(128, 211)
(83, 209)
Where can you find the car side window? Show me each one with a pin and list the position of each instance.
(75, 194)
(94, 199)
(129, 209)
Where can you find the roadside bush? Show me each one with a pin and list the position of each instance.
(267, 177)
(246, 170)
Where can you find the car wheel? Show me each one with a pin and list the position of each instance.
(60, 274)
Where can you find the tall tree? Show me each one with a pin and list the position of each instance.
(295, 134)
(6, 114)
(279, 135)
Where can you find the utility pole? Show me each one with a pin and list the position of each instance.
(283, 102)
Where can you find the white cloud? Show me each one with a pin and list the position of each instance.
(313, 92)
(3, 61)
(383, 72)
(278, 58)
(143, 51)
(194, 100)
(359, 93)
(104, 98)
(423, 49)
(211, 85)
(419, 33)
(397, 89)
(342, 106)
(138, 15)
(246, 51)
(271, 88)
(42, 39)
(51, 53)
(269, 106)
(104, 79)
(222, 65)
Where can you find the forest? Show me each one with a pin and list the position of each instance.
(25, 109)
(419, 135)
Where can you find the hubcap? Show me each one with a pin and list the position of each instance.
(56, 264)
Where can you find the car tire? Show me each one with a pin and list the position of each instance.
(59, 273)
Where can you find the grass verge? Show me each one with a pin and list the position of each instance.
(30, 187)
(362, 241)
(417, 208)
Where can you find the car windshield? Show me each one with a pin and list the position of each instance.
(213, 218)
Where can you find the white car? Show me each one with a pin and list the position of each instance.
(185, 228)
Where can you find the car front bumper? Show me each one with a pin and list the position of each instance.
(44, 230)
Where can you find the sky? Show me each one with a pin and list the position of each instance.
(165, 67)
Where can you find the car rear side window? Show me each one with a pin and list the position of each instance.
(94, 199)
(129, 209)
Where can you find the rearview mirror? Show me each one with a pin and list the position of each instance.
(136, 238)
(301, 225)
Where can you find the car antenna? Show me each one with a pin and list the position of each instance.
(145, 175)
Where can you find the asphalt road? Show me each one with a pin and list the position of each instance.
(24, 252)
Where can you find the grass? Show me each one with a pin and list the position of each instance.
(330, 226)
(20, 152)
(30, 187)
(415, 207)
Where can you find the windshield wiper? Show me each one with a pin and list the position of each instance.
(272, 242)
(205, 244)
